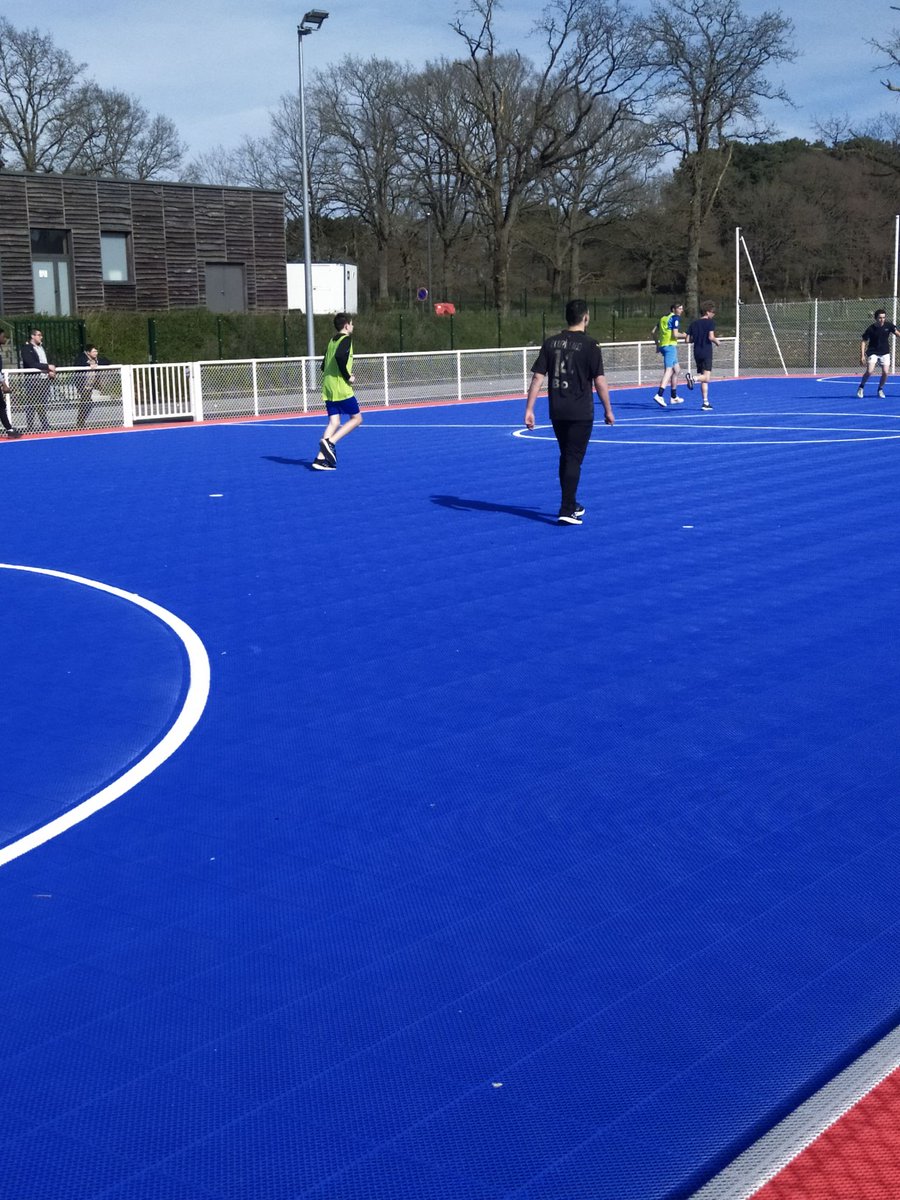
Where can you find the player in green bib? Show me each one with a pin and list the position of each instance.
(337, 392)
(667, 334)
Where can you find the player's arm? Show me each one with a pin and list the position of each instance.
(603, 393)
(862, 352)
(534, 389)
(712, 337)
(342, 357)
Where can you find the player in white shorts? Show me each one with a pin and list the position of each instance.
(875, 351)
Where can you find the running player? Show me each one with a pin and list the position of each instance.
(701, 335)
(875, 351)
(337, 392)
(667, 334)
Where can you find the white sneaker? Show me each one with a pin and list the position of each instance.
(881, 395)
(859, 393)
(660, 400)
(677, 400)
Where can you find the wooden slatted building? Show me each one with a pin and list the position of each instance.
(70, 244)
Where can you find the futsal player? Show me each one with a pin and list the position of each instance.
(573, 364)
(875, 351)
(701, 335)
(667, 334)
(337, 392)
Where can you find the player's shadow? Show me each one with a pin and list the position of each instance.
(289, 462)
(456, 502)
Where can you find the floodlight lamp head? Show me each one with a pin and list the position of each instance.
(313, 20)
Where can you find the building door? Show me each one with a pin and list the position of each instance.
(225, 289)
(52, 291)
(51, 272)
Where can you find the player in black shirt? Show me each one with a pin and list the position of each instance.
(875, 350)
(573, 366)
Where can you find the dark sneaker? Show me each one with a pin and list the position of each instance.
(319, 464)
(707, 407)
(660, 399)
(689, 380)
(578, 510)
(14, 433)
(327, 451)
(568, 519)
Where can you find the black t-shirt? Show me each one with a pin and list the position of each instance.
(698, 333)
(571, 361)
(879, 337)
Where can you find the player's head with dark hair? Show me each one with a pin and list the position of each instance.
(342, 319)
(576, 311)
(879, 312)
(707, 307)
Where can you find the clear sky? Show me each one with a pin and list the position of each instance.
(217, 70)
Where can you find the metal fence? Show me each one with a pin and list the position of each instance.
(816, 335)
(110, 397)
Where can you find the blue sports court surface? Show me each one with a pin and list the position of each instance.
(503, 859)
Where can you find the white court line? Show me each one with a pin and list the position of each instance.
(709, 421)
(191, 711)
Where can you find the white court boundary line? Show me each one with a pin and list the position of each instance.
(778, 1148)
(708, 420)
(191, 711)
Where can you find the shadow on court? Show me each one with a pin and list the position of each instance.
(290, 462)
(456, 502)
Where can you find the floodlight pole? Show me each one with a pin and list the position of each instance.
(311, 21)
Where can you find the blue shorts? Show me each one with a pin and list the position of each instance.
(669, 355)
(348, 407)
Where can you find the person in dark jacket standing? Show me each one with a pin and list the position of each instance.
(572, 364)
(37, 387)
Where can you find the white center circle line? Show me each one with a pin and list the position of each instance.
(191, 711)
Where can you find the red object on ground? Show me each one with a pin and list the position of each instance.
(856, 1158)
(445, 310)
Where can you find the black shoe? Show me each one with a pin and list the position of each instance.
(319, 464)
(706, 407)
(14, 433)
(578, 510)
(327, 451)
(689, 380)
(568, 519)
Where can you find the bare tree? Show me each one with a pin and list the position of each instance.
(39, 101)
(53, 120)
(363, 166)
(605, 182)
(892, 49)
(507, 124)
(441, 191)
(712, 60)
(119, 138)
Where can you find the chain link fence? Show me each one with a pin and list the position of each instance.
(817, 336)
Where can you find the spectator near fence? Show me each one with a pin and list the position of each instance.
(4, 394)
(37, 386)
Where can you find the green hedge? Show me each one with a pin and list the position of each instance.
(194, 334)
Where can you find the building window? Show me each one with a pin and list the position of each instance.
(49, 243)
(114, 257)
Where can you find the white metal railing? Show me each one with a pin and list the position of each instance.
(109, 397)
